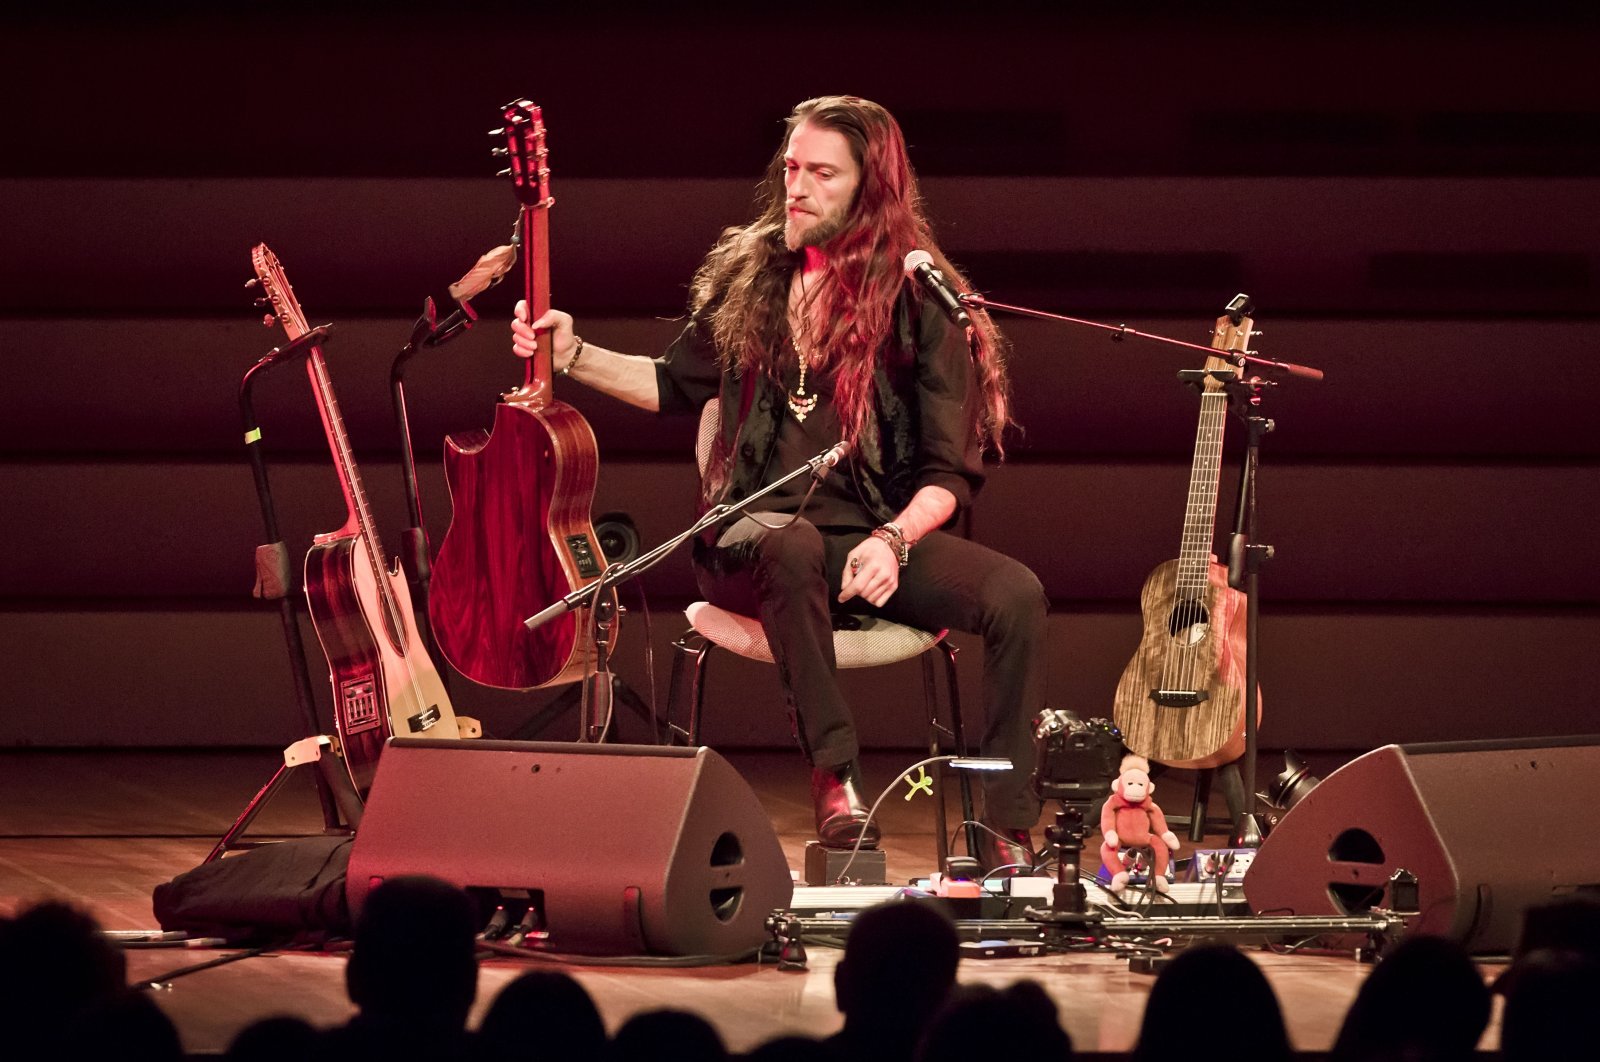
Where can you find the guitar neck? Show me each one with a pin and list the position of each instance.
(358, 519)
(1205, 473)
(535, 226)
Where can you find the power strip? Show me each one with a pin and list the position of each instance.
(1206, 863)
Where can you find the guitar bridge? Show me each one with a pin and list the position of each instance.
(424, 719)
(1178, 698)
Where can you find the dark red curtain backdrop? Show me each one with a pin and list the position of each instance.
(1410, 201)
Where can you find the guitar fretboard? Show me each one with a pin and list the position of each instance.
(1205, 474)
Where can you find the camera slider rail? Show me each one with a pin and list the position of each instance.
(1053, 927)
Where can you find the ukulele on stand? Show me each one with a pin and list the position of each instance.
(384, 683)
(520, 496)
(1180, 700)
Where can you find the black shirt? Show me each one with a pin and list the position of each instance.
(923, 430)
(834, 502)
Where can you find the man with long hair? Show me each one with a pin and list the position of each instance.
(803, 326)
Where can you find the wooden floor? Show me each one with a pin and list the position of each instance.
(101, 829)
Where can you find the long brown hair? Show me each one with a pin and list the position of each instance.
(743, 285)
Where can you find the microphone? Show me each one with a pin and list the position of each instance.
(829, 458)
(919, 266)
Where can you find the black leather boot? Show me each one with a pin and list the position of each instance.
(1010, 849)
(841, 813)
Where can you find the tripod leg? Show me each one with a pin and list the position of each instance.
(305, 752)
(1233, 790)
(251, 810)
(1202, 797)
(622, 693)
(534, 725)
(930, 693)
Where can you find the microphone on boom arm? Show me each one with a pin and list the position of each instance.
(829, 458)
(919, 266)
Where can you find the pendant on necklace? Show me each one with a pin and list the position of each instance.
(800, 403)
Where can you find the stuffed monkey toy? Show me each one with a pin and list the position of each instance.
(1130, 817)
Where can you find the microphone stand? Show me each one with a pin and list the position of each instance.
(615, 575)
(1239, 304)
(427, 331)
(1245, 556)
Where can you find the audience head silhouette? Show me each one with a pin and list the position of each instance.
(1199, 985)
(544, 1012)
(64, 994)
(1425, 1001)
(415, 961)
(898, 968)
(1547, 998)
(667, 1036)
(272, 1040)
(967, 1027)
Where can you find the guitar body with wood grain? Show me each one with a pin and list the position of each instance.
(1206, 634)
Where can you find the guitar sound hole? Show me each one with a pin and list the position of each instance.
(1189, 623)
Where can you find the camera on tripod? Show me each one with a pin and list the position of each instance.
(1075, 760)
(1075, 763)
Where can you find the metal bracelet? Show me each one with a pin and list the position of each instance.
(566, 370)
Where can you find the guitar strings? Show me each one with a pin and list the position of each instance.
(1192, 578)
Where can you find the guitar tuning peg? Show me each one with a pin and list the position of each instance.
(500, 152)
(253, 282)
(262, 304)
(504, 173)
(268, 321)
(497, 132)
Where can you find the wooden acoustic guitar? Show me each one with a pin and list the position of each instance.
(384, 683)
(521, 495)
(1181, 698)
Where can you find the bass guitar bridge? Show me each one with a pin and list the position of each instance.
(1178, 698)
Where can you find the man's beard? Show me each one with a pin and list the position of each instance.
(825, 229)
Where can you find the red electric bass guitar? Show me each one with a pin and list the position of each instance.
(520, 537)
(384, 683)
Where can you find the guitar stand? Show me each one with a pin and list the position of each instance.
(341, 807)
(303, 752)
(1198, 821)
(427, 331)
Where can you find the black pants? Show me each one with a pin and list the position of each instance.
(790, 578)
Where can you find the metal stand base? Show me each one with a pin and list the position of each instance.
(305, 752)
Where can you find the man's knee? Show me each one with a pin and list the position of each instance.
(789, 555)
(1015, 601)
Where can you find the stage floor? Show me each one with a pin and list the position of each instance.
(102, 828)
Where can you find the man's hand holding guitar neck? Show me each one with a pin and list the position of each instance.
(628, 377)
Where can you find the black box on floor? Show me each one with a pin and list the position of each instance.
(824, 866)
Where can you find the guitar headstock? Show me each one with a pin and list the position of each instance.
(279, 295)
(1232, 333)
(526, 152)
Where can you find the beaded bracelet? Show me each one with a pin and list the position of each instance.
(566, 370)
(891, 534)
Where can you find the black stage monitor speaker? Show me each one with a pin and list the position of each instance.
(1488, 828)
(621, 849)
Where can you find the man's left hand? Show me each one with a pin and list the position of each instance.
(872, 573)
